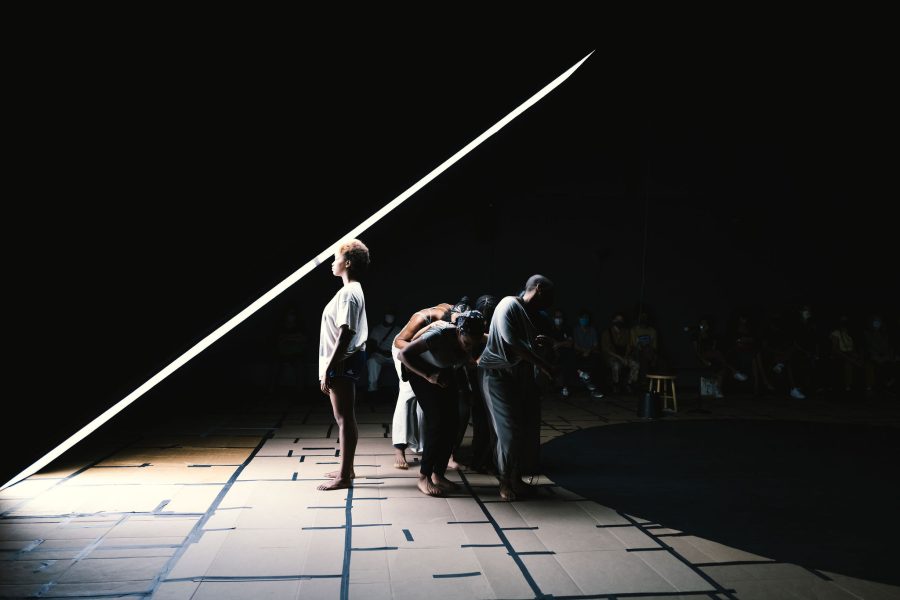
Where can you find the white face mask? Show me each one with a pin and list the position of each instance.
(389, 319)
(876, 324)
(557, 321)
(806, 315)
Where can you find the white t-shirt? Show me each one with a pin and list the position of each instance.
(348, 307)
(510, 326)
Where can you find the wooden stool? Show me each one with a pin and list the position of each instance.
(664, 385)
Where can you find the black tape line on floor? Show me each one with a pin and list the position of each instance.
(348, 544)
(68, 477)
(708, 593)
(647, 530)
(197, 531)
(202, 578)
(449, 575)
(519, 563)
(342, 526)
(732, 563)
(408, 535)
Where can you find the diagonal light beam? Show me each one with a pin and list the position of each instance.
(285, 284)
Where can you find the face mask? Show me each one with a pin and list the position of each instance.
(876, 324)
(703, 328)
(583, 322)
(806, 315)
(388, 319)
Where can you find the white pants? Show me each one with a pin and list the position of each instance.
(400, 430)
(375, 362)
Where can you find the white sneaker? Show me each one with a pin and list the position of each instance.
(565, 392)
(596, 394)
(740, 376)
(796, 393)
(719, 395)
(583, 375)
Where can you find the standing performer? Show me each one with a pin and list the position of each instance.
(342, 353)
(510, 392)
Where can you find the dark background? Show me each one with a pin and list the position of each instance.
(165, 184)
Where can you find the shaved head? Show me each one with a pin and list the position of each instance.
(538, 292)
(538, 280)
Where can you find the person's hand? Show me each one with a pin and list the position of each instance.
(437, 380)
(325, 384)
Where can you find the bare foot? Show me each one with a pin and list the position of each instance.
(338, 483)
(337, 475)
(444, 483)
(400, 459)
(428, 488)
(452, 464)
(506, 492)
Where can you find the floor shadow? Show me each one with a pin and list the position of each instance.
(823, 496)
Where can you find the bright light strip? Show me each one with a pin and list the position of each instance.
(288, 282)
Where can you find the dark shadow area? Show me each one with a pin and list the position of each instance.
(818, 495)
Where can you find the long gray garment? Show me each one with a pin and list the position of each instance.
(513, 403)
(509, 389)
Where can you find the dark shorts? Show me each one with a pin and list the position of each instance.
(350, 368)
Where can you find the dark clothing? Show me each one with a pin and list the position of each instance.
(471, 406)
(439, 406)
(351, 367)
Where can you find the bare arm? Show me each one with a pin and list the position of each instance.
(411, 357)
(417, 322)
